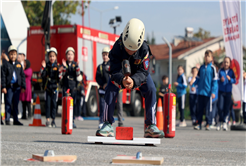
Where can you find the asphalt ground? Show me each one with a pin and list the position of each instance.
(189, 147)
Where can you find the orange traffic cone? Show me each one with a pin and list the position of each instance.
(159, 115)
(37, 114)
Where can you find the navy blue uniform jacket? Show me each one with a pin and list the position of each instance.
(139, 63)
(102, 75)
(7, 74)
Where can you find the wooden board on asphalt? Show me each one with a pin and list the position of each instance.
(133, 160)
(64, 158)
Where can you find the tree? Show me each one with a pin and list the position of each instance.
(152, 41)
(62, 11)
(203, 34)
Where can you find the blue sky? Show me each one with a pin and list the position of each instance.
(164, 18)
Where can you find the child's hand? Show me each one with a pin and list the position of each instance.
(61, 68)
(222, 79)
(4, 90)
(193, 89)
(213, 96)
(22, 90)
(228, 77)
(43, 64)
(127, 82)
(4, 56)
(64, 63)
(78, 63)
(176, 83)
(104, 86)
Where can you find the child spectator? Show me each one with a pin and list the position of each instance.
(215, 101)
(207, 83)
(12, 84)
(164, 88)
(193, 96)
(26, 97)
(181, 85)
(80, 97)
(231, 114)
(51, 74)
(244, 98)
(226, 79)
(1, 64)
(71, 77)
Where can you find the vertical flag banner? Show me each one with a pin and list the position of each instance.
(232, 32)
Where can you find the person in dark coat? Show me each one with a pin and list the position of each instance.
(13, 83)
(132, 47)
(51, 72)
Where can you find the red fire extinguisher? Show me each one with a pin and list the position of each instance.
(169, 108)
(67, 114)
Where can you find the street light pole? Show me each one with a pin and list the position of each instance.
(101, 12)
(170, 59)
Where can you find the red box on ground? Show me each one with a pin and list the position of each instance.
(124, 133)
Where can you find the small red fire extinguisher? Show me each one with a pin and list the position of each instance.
(67, 114)
(169, 108)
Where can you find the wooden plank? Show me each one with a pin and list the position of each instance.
(66, 158)
(112, 140)
(133, 160)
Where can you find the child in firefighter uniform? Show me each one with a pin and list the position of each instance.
(71, 77)
(102, 77)
(80, 99)
(13, 83)
(130, 46)
(51, 73)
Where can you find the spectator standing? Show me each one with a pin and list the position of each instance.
(71, 77)
(231, 114)
(215, 114)
(164, 88)
(1, 64)
(26, 97)
(51, 74)
(193, 96)
(181, 85)
(226, 79)
(207, 84)
(244, 98)
(80, 97)
(13, 82)
(102, 77)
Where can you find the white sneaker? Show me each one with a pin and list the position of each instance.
(218, 126)
(100, 126)
(224, 126)
(182, 124)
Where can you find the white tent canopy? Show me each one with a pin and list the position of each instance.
(16, 23)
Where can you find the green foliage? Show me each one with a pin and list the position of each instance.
(62, 11)
(152, 40)
(203, 34)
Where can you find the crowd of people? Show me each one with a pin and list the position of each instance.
(15, 84)
(210, 85)
(210, 92)
(16, 77)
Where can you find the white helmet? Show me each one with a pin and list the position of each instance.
(106, 49)
(52, 49)
(133, 34)
(12, 48)
(70, 49)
